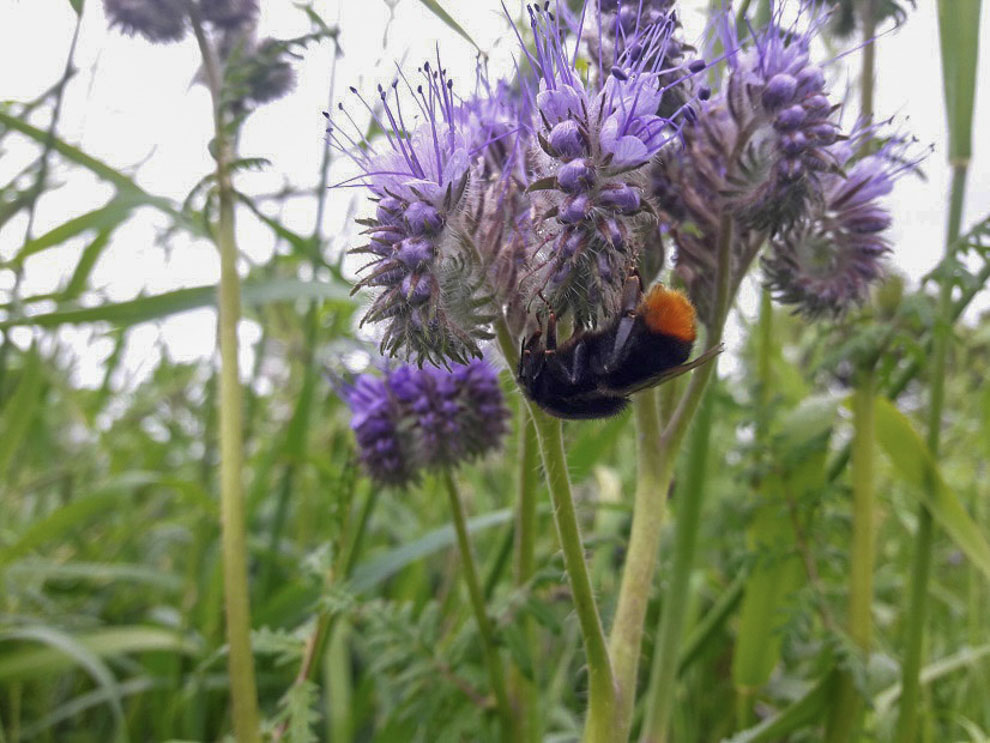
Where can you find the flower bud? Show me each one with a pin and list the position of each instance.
(415, 251)
(779, 91)
(575, 209)
(623, 199)
(422, 218)
(567, 141)
(575, 176)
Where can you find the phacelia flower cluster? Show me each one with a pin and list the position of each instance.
(424, 418)
(542, 193)
(422, 263)
(594, 145)
(827, 261)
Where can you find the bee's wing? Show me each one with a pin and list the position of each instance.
(667, 374)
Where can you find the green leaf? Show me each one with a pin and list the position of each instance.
(966, 657)
(154, 307)
(17, 414)
(435, 8)
(87, 261)
(105, 218)
(97, 572)
(77, 5)
(914, 463)
(372, 572)
(62, 651)
(959, 36)
(804, 711)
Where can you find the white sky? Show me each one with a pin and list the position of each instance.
(133, 105)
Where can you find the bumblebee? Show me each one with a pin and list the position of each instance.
(593, 373)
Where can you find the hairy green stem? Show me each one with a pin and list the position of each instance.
(847, 706)
(602, 700)
(492, 658)
(240, 659)
(601, 723)
(525, 692)
(655, 470)
(654, 473)
(666, 656)
(907, 716)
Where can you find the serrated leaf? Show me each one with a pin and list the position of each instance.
(913, 461)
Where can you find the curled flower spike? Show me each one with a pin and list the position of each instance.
(826, 262)
(780, 117)
(159, 21)
(424, 418)
(421, 264)
(594, 144)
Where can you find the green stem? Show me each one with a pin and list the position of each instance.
(601, 722)
(656, 468)
(847, 707)
(492, 658)
(907, 717)
(602, 700)
(663, 677)
(525, 692)
(654, 474)
(240, 660)
(867, 83)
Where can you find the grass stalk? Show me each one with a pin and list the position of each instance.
(907, 716)
(666, 656)
(493, 660)
(240, 661)
(846, 710)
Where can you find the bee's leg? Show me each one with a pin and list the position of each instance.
(532, 356)
(632, 292)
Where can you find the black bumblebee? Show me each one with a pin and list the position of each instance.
(593, 373)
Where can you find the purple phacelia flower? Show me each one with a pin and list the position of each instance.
(826, 261)
(588, 179)
(780, 124)
(229, 14)
(375, 420)
(429, 299)
(424, 418)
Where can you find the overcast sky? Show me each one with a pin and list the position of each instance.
(135, 106)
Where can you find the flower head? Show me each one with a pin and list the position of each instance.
(594, 144)
(826, 261)
(159, 21)
(420, 262)
(229, 14)
(422, 418)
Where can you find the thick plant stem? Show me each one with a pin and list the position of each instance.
(492, 658)
(240, 661)
(847, 707)
(663, 676)
(654, 473)
(601, 722)
(525, 693)
(907, 715)
(656, 467)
